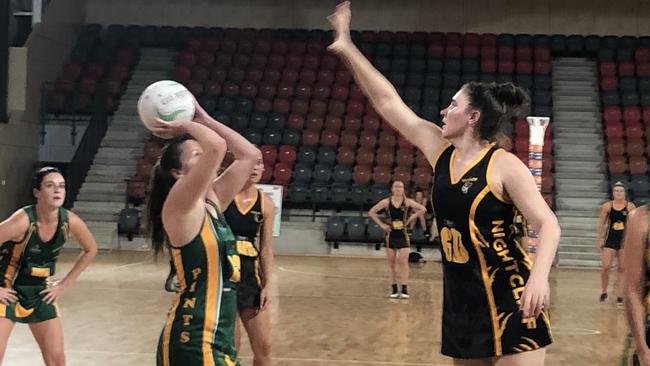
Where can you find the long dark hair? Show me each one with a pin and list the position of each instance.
(499, 104)
(162, 182)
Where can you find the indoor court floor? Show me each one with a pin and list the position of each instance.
(326, 311)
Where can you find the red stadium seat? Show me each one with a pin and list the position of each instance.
(332, 123)
(626, 69)
(631, 114)
(616, 146)
(287, 154)
(645, 114)
(642, 55)
(345, 156)
(488, 66)
(505, 53)
(282, 174)
(361, 174)
(368, 139)
(351, 123)
(524, 67)
(612, 114)
(617, 165)
(296, 121)
(314, 123)
(371, 123)
(635, 147)
(506, 67)
(542, 53)
(422, 177)
(609, 83)
(349, 139)
(269, 154)
(614, 130)
(321, 92)
(365, 156)
(402, 174)
(524, 53)
(643, 69)
(310, 138)
(387, 139)
(318, 107)
(385, 156)
(354, 108)
(329, 138)
(638, 165)
(607, 68)
(382, 175)
(634, 131)
(299, 107)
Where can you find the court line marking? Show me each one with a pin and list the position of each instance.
(418, 280)
(321, 360)
(574, 331)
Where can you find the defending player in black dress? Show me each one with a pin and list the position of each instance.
(397, 241)
(611, 227)
(250, 217)
(495, 308)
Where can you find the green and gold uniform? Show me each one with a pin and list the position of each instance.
(26, 267)
(200, 329)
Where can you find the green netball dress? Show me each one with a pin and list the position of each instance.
(200, 327)
(27, 265)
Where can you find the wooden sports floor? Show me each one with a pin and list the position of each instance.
(325, 312)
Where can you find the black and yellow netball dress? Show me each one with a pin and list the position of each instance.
(27, 265)
(617, 220)
(246, 225)
(201, 323)
(629, 356)
(485, 268)
(398, 237)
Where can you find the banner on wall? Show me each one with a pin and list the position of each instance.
(275, 192)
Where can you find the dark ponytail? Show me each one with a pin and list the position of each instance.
(162, 182)
(500, 105)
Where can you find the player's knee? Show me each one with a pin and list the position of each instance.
(263, 349)
(55, 358)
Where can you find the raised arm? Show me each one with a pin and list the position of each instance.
(184, 208)
(634, 254)
(266, 249)
(230, 182)
(602, 222)
(383, 96)
(374, 214)
(86, 240)
(520, 186)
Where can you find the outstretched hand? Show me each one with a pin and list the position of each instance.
(340, 22)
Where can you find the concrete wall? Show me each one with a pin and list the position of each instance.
(625, 17)
(58, 145)
(40, 60)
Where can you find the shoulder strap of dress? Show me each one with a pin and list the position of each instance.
(29, 210)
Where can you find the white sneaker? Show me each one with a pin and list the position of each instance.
(404, 296)
(395, 295)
